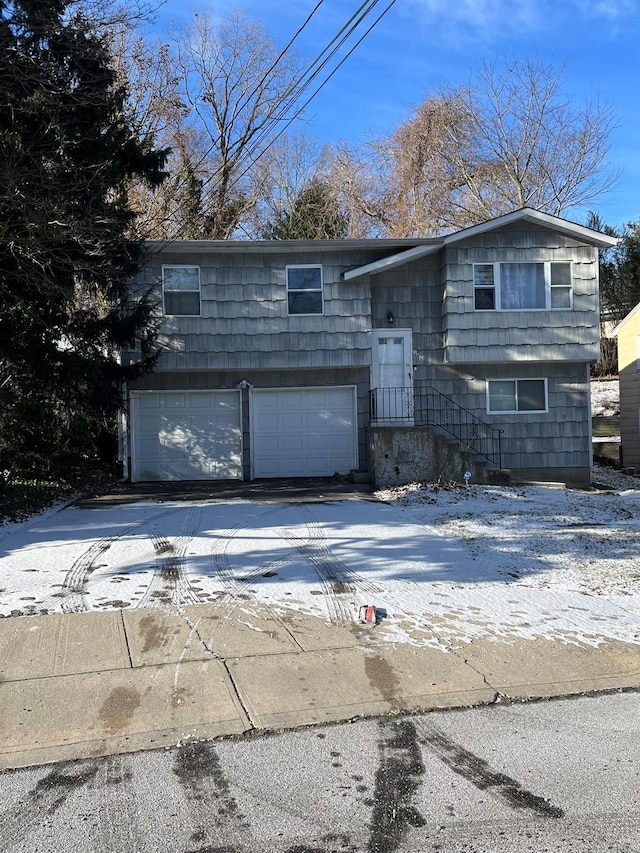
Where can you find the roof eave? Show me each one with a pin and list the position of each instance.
(528, 214)
(393, 261)
(250, 246)
(622, 322)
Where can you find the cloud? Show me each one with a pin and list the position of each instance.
(610, 10)
(490, 20)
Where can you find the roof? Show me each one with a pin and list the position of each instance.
(632, 313)
(401, 250)
(524, 214)
(262, 246)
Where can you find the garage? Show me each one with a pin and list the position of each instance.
(303, 432)
(185, 435)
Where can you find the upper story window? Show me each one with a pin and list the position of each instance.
(522, 286)
(506, 396)
(181, 290)
(304, 289)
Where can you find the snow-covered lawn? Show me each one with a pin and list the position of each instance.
(445, 564)
(605, 397)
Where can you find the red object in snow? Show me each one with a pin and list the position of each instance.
(368, 614)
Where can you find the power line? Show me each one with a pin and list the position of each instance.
(297, 88)
(301, 108)
(248, 97)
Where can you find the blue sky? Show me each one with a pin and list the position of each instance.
(421, 44)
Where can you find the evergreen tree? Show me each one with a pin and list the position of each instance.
(622, 272)
(315, 215)
(67, 153)
(619, 269)
(619, 285)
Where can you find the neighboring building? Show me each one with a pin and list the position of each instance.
(309, 358)
(628, 334)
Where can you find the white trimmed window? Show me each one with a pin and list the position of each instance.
(522, 286)
(181, 291)
(304, 289)
(509, 396)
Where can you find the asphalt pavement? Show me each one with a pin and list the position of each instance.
(557, 776)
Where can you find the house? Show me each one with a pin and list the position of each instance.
(628, 334)
(404, 358)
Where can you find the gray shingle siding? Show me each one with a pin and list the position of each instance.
(245, 332)
(561, 432)
(496, 336)
(244, 313)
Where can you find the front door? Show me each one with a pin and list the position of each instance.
(392, 376)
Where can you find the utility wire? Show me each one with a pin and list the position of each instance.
(300, 109)
(314, 70)
(247, 99)
(297, 88)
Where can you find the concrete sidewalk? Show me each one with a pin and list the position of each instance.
(92, 684)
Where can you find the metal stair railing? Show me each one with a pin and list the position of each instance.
(426, 406)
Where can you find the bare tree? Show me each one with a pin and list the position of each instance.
(213, 94)
(423, 180)
(105, 15)
(529, 145)
(233, 82)
(404, 184)
(506, 140)
(143, 66)
(360, 178)
(285, 168)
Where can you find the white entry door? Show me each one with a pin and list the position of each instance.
(392, 375)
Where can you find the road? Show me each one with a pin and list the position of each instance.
(550, 776)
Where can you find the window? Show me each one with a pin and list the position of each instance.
(181, 291)
(560, 284)
(637, 352)
(485, 287)
(522, 286)
(304, 289)
(516, 395)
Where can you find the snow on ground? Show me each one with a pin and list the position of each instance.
(442, 564)
(605, 397)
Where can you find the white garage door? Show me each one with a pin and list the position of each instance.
(303, 432)
(186, 435)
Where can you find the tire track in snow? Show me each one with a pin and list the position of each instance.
(221, 563)
(236, 589)
(72, 595)
(329, 571)
(169, 583)
(335, 577)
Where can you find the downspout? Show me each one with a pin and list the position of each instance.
(124, 434)
(245, 435)
(590, 420)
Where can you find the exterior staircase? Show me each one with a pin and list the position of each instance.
(422, 435)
